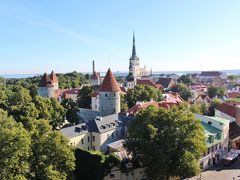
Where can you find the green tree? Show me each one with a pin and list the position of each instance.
(33, 90)
(186, 79)
(71, 110)
(51, 155)
(3, 97)
(216, 91)
(50, 109)
(183, 90)
(124, 105)
(14, 148)
(214, 103)
(19, 96)
(93, 164)
(142, 93)
(168, 142)
(199, 108)
(84, 97)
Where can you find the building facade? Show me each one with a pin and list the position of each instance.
(217, 139)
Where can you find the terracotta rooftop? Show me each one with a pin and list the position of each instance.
(233, 94)
(173, 99)
(48, 80)
(109, 83)
(204, 97)
(149, 82)
(228, 108)
(95, 75)
(165, 82)
(53, 77)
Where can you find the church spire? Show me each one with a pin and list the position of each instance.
(134, 54)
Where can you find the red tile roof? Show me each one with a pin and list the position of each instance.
(204, 97)
(228, 108)
(163, 104)
(47, 81)
(53, 77)
(149, 82)
(233, 94)
(95, 75)
(109, 83)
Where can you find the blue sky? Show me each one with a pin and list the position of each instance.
(38, 36)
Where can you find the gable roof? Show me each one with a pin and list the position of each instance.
(149, 82)
(162, 104)
(228, 108)
(109, 83)
(165, 82)
(204, 97)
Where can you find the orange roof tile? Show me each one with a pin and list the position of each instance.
(109, 83)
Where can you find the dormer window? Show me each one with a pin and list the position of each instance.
(209, 122)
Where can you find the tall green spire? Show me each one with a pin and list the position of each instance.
(134, 54)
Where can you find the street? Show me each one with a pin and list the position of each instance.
(221, 172)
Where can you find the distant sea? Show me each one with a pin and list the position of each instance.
(124, 73)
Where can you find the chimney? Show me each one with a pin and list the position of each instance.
(238, 114)
(93, 64)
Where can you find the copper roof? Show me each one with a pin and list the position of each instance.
(109, 83)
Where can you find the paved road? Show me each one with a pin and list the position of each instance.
(221, 173)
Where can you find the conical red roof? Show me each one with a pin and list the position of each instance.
(53, 77)
(44, 81)
(109, 83)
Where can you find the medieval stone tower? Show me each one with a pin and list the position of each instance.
(48, 85)
(95, 78)
(109, 95)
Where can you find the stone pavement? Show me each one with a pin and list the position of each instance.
(221, 172)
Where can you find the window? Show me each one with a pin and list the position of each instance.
(114, 110)
(209, 122)
(93, 138)
(112, 135)
(82, 141)
(88, 139)
(105, 94)
(112, 175)
(71, 144)
(94, 148)
(114, 94)
(117, 133)
(88, 148)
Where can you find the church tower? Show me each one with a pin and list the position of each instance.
(95, 78)
(109, 95)
(134, 61)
